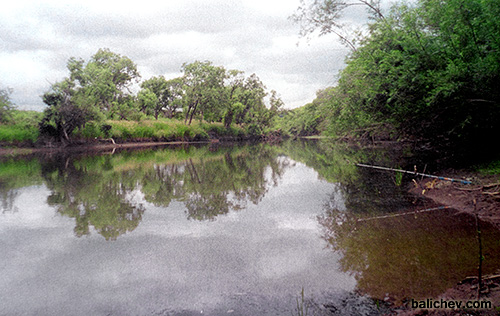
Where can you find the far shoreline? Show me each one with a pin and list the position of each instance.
(23, 150)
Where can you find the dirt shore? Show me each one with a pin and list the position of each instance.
(482, 198)
(95, 146)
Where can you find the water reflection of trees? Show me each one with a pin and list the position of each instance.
(105, 191)
(403, 256)
(15, 174)
(91, 199)
(413, 256)
(363, 191)
(212, 187)
(7, 199)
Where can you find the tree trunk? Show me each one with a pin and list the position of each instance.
(193, 111)
(187, 114)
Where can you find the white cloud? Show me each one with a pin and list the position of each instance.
(255, 36)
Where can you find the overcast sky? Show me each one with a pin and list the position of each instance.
(255, 36)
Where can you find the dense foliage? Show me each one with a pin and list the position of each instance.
(15, 125)
(429, 70)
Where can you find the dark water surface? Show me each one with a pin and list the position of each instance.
(227, 230)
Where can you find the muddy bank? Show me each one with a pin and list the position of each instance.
(14, 151)
(482, 198)
(78, 145)
(111, 145)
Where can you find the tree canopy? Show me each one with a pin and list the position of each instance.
(102, 89)
(430, 70)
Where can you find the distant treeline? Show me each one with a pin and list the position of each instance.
(97, 94)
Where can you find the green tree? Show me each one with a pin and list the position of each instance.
(251, 97)
(234, 86)
(430, 70)
(176, 93)
(156, 96)
(276, 107)
(203, 85)
(148, 102)
(5, 104)
(104, 80)
(92, 91)
(63, 114)
(128, 108)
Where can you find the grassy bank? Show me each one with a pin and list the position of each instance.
(20, 127)
(22, 130)
(157, 130)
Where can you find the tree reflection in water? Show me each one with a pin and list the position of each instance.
(101, 201)
(102, 191)
(413, 256)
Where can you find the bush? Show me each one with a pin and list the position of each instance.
(106, 130)
(91, 130)
(16, 133)
(142, 131)
(158, 130)
(254, 130)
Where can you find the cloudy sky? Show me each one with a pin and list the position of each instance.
(255, 36)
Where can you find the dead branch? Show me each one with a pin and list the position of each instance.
(491, 185)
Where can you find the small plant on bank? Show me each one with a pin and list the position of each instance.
(301, 305)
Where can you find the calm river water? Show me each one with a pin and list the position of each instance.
(226, 230)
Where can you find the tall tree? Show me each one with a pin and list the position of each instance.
(176, 92)
(148, 102)
(203, 86)
(63, 114)
(159, 88)
(251, 97)
(105, 80)
(92, 91)
(234, 86)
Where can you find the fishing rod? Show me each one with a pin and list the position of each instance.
(402, 214)
(414, 173)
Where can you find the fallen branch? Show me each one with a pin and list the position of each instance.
(491, 193)
(491, 185)
(471, 189)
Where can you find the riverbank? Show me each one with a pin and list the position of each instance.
(482, 198)
(15, 151)
(107, 145)
(24, 133)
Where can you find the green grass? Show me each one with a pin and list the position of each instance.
(168, 130)
(219, 130)
(21, 126)
(25, 118)
(157, 130)
(18, 133)
(491, 168)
